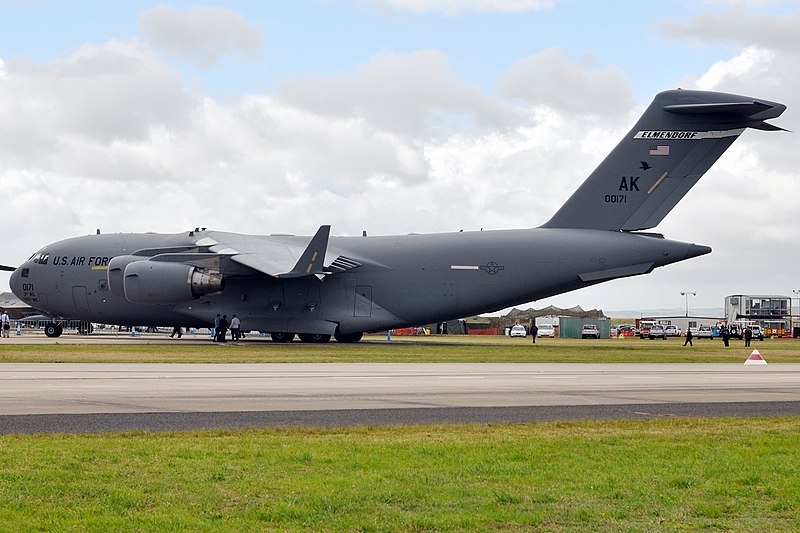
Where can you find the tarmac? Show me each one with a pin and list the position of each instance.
(45, 397)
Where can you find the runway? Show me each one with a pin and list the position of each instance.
(112, 397)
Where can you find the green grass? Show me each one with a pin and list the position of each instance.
(412, 349)
(667, 474)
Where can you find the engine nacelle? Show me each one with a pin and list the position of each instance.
(155, 282)
(116, 273)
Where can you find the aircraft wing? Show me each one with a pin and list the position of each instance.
(281, 256)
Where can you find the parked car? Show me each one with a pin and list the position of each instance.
(626, 330)
(702, 332)
(657, 332)
(518, 331)
(758, 333)
(672, 331)
(590, 331)
(546, 330)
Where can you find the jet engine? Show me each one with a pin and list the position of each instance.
(116, 273)
(155, 282)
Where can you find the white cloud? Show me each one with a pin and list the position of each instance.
(410, 94)
(749, 62)
(452, 7)
(739, 25)
(111, 137)
(202, 35)
(547, 78)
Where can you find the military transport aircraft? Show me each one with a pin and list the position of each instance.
(322, 286)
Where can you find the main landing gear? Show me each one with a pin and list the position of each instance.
(317, 338)
(53, 330)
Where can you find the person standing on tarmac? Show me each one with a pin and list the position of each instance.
(688, 337)
(216, 328)
(534, 332)
(5, 323)
(748, 336)
(223, 328)
(235, 323)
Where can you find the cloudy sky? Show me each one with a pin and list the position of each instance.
(394, 116)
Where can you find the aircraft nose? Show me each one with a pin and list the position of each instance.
(13, 281)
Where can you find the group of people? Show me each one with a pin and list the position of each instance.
(725, 333)
(221, 326)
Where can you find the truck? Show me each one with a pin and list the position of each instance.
(644, 328)
(702, 332)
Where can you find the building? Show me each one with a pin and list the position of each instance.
(772, 313)
(570, 326)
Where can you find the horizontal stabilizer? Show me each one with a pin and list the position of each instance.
(734, 108)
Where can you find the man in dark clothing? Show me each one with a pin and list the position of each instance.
(748, 336)
(222, 329)
(534, 332)
(688, 337)
(726, 336)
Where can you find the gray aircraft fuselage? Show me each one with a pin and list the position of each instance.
(403, 280)
(321, 286)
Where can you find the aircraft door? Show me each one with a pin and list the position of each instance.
(81, 300)
(363, 305)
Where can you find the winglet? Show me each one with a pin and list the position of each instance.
(310, 263)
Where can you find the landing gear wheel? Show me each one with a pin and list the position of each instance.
(280, 336)
(348, 337)
(53, 330)
(314, 337)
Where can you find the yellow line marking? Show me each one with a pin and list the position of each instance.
(656, 184)
(99, 268)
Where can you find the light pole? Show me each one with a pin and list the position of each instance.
(686, 295)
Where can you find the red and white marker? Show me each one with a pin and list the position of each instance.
(755, 359)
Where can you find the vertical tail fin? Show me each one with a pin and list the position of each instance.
(673, 144)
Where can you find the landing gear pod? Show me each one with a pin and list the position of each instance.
(153, 282)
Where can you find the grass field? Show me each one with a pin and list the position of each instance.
(669, 474)
(412, 349)
(654, 475)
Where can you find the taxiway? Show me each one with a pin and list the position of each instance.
(109, 397)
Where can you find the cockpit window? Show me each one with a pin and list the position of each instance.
(40, 258)
(25, 272)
